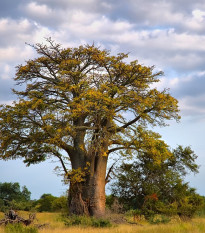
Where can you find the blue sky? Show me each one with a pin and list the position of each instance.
(167, 34)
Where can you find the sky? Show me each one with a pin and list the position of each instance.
(167, 34)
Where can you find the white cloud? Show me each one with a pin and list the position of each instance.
(38, 10)
(79, 17)
(93, 26)
(198, 15)
(6, 71)
(17, 27)
(192, 106)
(166, 36)
(13, 54)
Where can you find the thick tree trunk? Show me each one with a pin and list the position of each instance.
(97, 200)
(78, 203)
(88, 197)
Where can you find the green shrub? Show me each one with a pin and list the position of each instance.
(157, 219)
(50, 203)
(189, 205)
(109, 200)
(85, 221)
(158, 186)
(45, 203)
(101, 223)
(132, 213)
(60, 204)
(19, 228)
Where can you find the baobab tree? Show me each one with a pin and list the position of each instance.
(81, 104)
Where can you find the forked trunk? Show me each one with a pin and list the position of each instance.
(88, 197)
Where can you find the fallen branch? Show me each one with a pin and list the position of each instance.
(12, 218)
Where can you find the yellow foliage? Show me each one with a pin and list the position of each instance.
(84, 93)
(78, 175)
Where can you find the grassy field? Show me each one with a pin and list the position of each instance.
(197, 225)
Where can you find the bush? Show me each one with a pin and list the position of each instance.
(201, 211)
(110, 200)
(101, 223)
(158, 187)
(157, 219)
(19, 228)
(45, 203)
(85, 221)
(15, 197)
(189, 205)
(50, 203)
(60, 204)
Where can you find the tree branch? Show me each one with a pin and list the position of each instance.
(61, 160)
(132, 121)
(120, 148)
(109, 171)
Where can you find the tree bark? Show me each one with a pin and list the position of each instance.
(78, 202)
(88, 197)
(97, 201)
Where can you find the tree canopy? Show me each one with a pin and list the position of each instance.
(12, 191)
(14, 196)
(82, 104)
(156, 186)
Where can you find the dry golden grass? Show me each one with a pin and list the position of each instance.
(197, 225)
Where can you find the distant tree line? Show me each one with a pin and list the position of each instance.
(12, 196)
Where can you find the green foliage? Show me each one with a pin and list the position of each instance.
(86, 221)
(13, 196)
(156, 186)
(190, 204)
(101, 223)
(201, 211)
(12, 191)
(60, 204)
(158, 219)
(45, 203)
(50, 203)
(18, 205)
(109, 200)
(19, 228)
(133, 212)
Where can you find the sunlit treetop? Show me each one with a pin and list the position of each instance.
(82, 100)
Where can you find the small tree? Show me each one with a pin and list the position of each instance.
(45, 203)
(74, 107)
(12, 195)
(154, 184)
(50, 203)
(60, 204)
(12, 191)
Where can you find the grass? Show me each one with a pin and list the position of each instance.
(197, 225)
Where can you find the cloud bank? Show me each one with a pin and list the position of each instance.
(167, 34)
